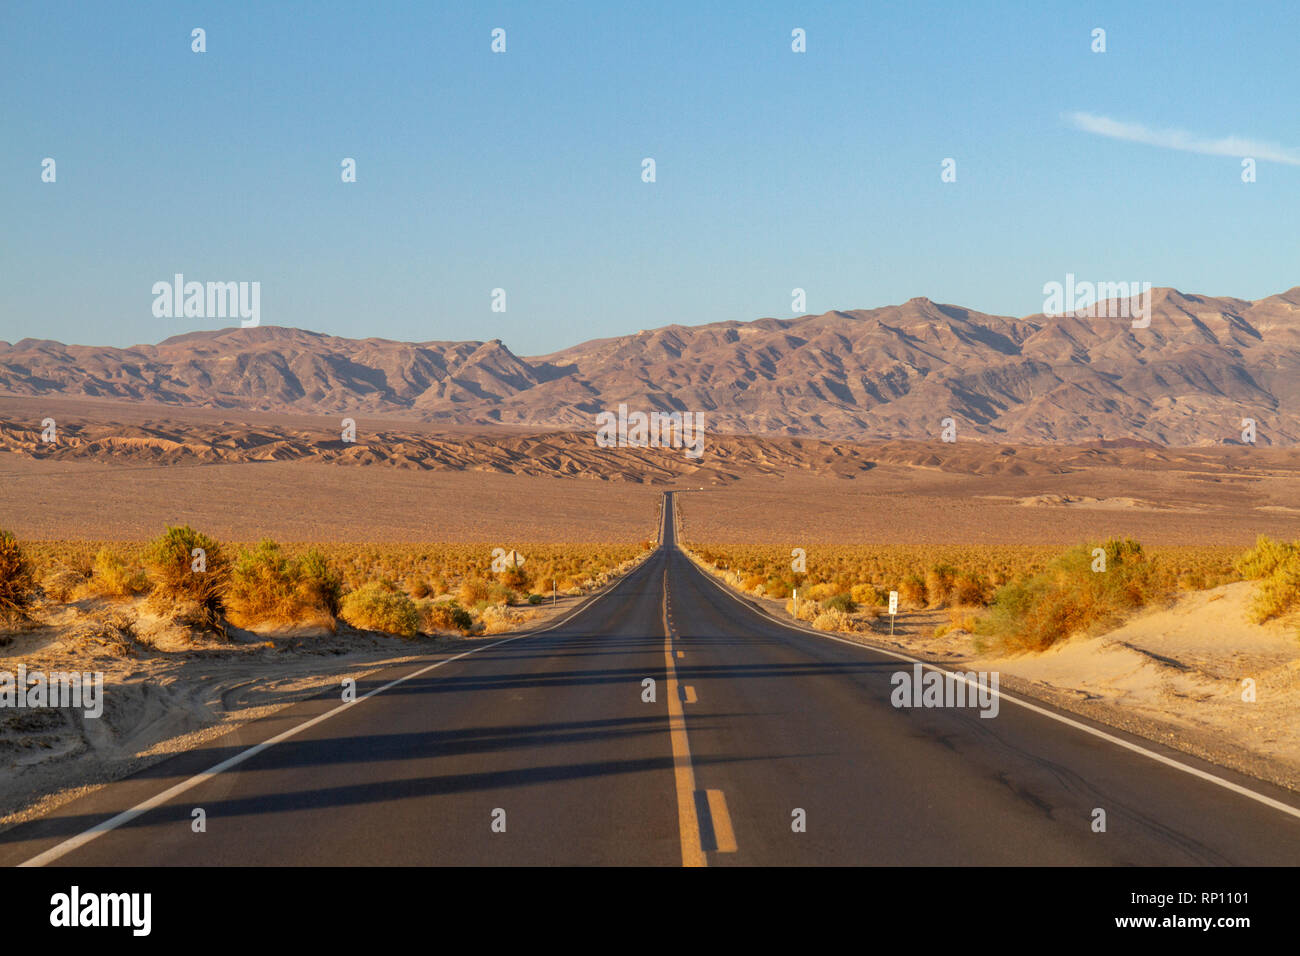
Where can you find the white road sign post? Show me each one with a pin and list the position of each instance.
(893, 610)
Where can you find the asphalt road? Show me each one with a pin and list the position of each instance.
(540, 750)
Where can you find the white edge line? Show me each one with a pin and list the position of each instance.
(126, 816)
(1061, 718)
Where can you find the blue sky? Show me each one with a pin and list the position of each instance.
(522, 170)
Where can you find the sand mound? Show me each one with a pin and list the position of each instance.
(1186, 664)
(1086, 501)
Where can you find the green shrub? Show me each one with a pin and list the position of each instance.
(110, 576)
(840, 602)
(1276, 565)
(1068, 597)
(267, 586)
(320, 586)
(536, 599)
(171, 563)
(17, 584)
(377, 606)
(1266, 557)
(263, 586)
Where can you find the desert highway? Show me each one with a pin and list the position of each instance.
(540, 749)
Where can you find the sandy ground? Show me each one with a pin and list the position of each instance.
(1173, 674)
(1183, 504)
(122, 471)
(311, 501)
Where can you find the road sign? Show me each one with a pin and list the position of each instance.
(893, 602)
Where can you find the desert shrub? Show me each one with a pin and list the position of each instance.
(17, 583)
(832, 619)
(969, 590)
(865, 594)
(320, 585)
(112, 577)
(378, 606)
(979, 570)
(1276, 565)
(515, 578)
(445, 616)
(911, 591)
(170, 562)
(776, 588)
(840, 602)
(1266, 557)
(808, 610)
(819, 592)
(1277, 594)
(264, 586)
(1068, 597)
(473, 590)
(939, 581)
(499, 593)
(496, 619)
(113, 631)
(959, 619)
(536, 599)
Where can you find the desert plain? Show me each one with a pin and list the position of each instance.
(121, 472)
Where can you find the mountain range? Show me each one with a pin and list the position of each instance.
(1202, 366)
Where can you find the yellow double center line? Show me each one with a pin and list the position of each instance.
(688, 821)
(688, 824)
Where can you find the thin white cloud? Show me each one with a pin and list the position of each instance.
(1183, 141)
